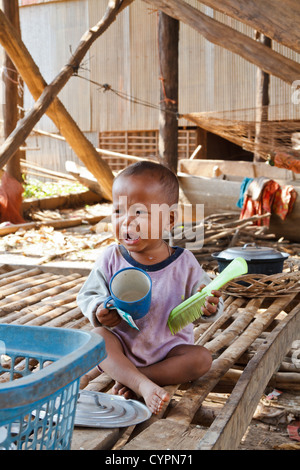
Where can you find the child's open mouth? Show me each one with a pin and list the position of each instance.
(131, 237)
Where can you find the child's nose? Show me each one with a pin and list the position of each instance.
(130, 220)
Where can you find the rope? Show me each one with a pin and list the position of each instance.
(132, 99)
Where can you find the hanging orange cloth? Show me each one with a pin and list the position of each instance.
(262, 204)
(284, 201)
(267, 196)
(287, 161)
(10, 200)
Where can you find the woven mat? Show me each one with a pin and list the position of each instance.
(261, 285)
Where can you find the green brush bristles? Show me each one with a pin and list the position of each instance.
(191, 309)
(187, 312)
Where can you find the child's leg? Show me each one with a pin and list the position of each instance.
(182, 364)
(121, 369)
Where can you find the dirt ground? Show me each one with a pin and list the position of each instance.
(260, 436)
(268, 429)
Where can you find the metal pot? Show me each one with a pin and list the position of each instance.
(260, 259)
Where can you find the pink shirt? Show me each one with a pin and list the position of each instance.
(173, 280)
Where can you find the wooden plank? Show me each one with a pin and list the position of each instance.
(62, 270)
(209, 168)
(229, 427)
(46, 171)
(57, 224)
(236, 328)
(94, 439)
(29, 282)
(48, 314)
(37, 293)
(275, 18)
(200, 190)
(213, 327)
(164, 434)
(267, 60)
(5, 269)
(17, 274)
(56, 202)
(59, 317)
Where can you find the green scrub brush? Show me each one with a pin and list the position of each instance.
(191, 309)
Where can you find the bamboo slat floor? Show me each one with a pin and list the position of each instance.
(251, 346)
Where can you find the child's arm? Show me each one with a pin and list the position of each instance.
(91, 297)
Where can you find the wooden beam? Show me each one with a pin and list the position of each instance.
(258, 54)
(46, 96)
(57, 224)
(262, 103)
(274, 18)
(12, 97)
(168, 40)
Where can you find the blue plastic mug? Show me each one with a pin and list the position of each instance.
(130, 290)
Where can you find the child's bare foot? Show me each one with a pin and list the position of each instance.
(154, 396)
(120, 389)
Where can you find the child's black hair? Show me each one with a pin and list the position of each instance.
(166, 177)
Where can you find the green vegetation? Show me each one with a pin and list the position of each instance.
(38, 189)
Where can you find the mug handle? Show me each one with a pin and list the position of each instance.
(109, 299)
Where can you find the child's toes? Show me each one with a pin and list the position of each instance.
(160, 396)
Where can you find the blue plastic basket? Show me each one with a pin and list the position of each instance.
(43, 367)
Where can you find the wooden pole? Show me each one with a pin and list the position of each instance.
(47, 100)
(262, 103)
(12, 97)
(168, 38)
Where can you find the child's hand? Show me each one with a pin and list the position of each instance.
(211, 302)
(107, 317)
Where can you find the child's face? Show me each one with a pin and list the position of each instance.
(140, 212)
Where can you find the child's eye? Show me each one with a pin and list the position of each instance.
(117, 211)
(140, 212)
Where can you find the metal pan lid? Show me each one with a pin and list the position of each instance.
(251, 252)
(102, 410)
